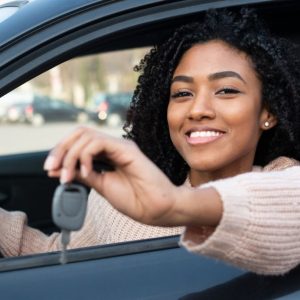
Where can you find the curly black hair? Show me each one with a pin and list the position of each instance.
(274, 61)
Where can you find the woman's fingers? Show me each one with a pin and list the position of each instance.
(56, 155)
(72, 158)
(82, 146)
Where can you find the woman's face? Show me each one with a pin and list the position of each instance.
(215, 112)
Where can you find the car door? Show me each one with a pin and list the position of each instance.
(38, 38)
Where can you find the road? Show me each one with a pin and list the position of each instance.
(18, 138)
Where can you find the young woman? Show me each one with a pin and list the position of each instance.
(211, 151)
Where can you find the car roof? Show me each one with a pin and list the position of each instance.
(38, 13)
(8, 8)
(34, 14)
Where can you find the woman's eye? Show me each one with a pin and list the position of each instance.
(181, 94)
(227, 91)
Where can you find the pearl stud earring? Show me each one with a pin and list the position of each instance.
(267, 124)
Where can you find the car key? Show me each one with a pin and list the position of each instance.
(68, 212)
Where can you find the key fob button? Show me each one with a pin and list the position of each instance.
(71, 204)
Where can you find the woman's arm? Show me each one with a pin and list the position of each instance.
(260, 226)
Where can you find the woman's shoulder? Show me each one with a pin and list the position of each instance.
(281, 163)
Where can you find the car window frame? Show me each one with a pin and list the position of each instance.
(40, 260)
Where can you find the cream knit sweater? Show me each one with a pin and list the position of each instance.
(259, 230)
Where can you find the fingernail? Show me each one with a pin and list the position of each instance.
(84, 171)
(64, 176)
(49, 163)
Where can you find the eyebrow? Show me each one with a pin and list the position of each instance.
(183, 78)
(214, 76)
(224, 74)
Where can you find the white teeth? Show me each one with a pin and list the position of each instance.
(204, 133)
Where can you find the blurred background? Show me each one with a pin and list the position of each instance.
(94, 90)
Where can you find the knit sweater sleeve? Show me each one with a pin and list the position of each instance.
(103, 225)
(17, 238)
(260, 226)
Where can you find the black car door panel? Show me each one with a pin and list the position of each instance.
(25, 186)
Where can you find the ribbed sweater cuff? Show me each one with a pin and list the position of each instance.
(11, 229)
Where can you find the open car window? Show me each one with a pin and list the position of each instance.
(93, 90)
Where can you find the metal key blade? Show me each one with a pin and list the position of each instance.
(68, 212)
(63, 256)
(65, 239)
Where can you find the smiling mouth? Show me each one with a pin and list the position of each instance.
(203, 137)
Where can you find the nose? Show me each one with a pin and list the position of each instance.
(202, 107)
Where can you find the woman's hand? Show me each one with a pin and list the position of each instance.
(137, 187)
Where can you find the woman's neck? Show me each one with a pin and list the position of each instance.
(198, 177)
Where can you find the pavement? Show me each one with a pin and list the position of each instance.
(20, 138)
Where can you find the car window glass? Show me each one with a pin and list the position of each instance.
(94, 90)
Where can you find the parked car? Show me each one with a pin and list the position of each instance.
(37, 109)
(44, 109)
(112, 108)
(41, 35)
(12, 106)
(15, 113)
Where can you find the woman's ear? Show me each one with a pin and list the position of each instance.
(267, 120)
